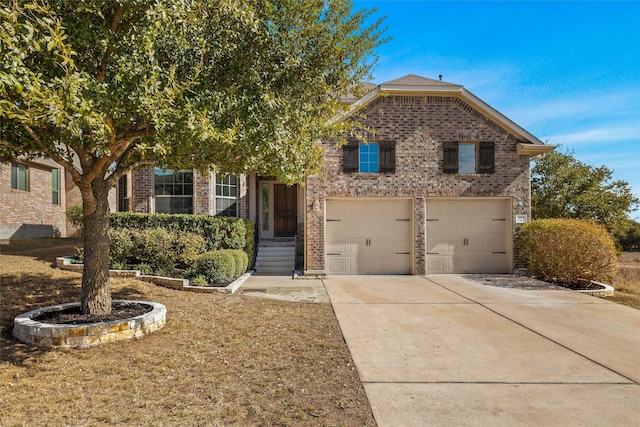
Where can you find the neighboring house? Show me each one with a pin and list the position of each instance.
(35, 194)
(440, 186)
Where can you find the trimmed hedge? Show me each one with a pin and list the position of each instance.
(568, 251)
(218, 232)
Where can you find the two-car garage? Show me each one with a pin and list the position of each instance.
(378, 236)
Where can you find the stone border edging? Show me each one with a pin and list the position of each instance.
(84, 335)
(64, 263)
(604, 291)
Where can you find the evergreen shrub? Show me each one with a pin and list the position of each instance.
(568, 251)
(217, 267)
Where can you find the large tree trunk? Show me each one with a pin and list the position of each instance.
(96, 288)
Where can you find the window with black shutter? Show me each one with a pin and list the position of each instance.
(350, 159)
(450, 163)
(387, 156)
(486, 163)
(485, 157)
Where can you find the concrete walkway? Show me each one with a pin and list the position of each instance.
(446, 350)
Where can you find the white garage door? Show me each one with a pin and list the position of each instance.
(369, 236)
(467, 236)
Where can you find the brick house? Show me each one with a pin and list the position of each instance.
(35, 195)
(440, 186)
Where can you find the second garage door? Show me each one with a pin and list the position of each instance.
(468, 236)
(372, 236)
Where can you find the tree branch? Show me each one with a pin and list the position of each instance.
(113, 27)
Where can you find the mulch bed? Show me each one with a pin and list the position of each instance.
(74, 315)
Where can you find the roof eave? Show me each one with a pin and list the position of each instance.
(525, 149)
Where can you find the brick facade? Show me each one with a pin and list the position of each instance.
(32, 213)
(204, 193)
(419, 125)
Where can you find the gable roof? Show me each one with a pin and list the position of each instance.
(412, 84)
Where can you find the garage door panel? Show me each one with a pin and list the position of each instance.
(467, 236)
(373, 236)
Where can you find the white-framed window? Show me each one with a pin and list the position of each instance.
(55, 186)
(226, 195)
(19, 176)
(173, 191)
(467, 158)
(369, 158)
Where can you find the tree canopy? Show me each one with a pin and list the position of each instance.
(106, 86)
(564, 187)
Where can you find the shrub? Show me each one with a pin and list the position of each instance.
(217, 267)
(121, 246)
(241, 260)
(568, 251)
(154, 247)
(198, 281)
(187, 247)
(218, 232)
(75, 216)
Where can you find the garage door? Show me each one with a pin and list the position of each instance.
(467, 236)
(369, 236)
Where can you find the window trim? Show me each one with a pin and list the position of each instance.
(370, 166)
(15, 176)
(174, 196)
(221, 182)
(55, 192)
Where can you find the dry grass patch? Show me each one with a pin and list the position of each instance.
(221, 360)
(627, 280)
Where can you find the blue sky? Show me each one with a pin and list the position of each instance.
(568, 72)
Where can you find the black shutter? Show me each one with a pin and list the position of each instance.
(487, 157)
(387, 156)
(450, 162)
(350, 160)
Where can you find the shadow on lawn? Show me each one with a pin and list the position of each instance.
(26, 292)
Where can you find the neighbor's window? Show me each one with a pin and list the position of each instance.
(369, 158)
(173, 191)
(55, 186)
(227, 195)
(467, 158)
(19, 177)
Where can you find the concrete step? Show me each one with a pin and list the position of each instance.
(275, 259)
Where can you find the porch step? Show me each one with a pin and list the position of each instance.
(278, 242)
(276, 259)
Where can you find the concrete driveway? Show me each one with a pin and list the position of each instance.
(445, 350)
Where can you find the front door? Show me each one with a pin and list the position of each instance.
(285, 209)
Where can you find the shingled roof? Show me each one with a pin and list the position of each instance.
(415, 80)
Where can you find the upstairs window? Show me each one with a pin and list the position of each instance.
(55, 186)
(173, 191)
(227, 196)
(369, 158)
(469, 157)
(19, 177)
(373, 157)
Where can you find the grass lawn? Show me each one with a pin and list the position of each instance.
(220, 360)
(627, 282)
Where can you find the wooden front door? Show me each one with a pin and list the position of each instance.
(285, 209)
